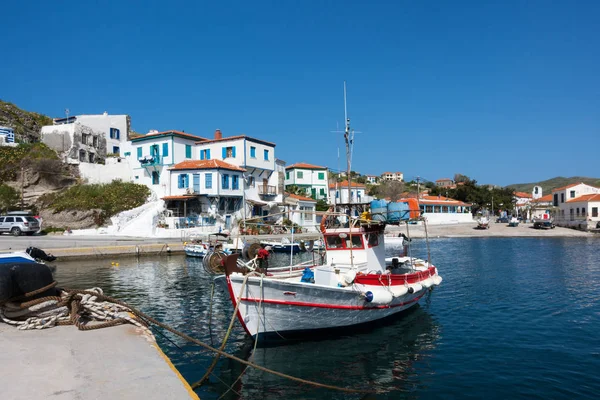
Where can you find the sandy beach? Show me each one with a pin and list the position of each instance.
(495, 230)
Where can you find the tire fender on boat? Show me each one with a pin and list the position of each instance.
(416, 287)
(427, 283)
(436, 280)
(399, 291)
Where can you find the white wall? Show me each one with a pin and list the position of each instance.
(103, 123)
(343, 195)
(310, 178)
(115, 168)
(216, 189)
(448, 218)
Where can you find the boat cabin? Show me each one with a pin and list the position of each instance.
(351, 250)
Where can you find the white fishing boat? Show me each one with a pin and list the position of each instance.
(353, 285)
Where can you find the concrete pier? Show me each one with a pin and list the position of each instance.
(64, 363)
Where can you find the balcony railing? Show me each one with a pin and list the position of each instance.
(267, 190)
(149, 160)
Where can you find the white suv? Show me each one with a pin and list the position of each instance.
(16, 225)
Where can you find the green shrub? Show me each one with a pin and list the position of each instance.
(110, 198)
(12, 158)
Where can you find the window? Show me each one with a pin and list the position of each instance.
(337, 194)
(373, 239)
(228, 152)
(188, 151)
(266, 152)
(334, 242)
(155, 178)
(321, 175)
(322, 192)
(165, 149)
(183, 181)
(115, 133)
(287, 174)
(116, 150)
(578, 211)
(139, 152)
(252, 152)
(225, 181)
(572, 194)
(594, 211)
(251, 181)
(583, 211)
(127, 154)
(205, 154)
(9, 219)
(555, 202)
(562, 197)
(235, 185)
(299, 174)
(208, 181)
(1, 219)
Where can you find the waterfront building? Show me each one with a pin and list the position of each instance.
(393, 176)
(301, 210)
(152, 154)
(338, 193)
(444, 210)
(8, 134)
(311, 178)
(578, 205)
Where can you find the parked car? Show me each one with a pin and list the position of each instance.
(17, 225)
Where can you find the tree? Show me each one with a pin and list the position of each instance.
(322, 205)
(9, 197)
(390, 189)
(295, 189)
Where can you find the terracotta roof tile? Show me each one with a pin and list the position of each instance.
(344, 184)
(177, 197)
(205, 164)
(303, 198)
(544, 199)
(304, 166)
(568, 186)
(523, 195)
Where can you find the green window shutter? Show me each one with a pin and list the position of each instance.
(188, 151)
(165, 149)
(139, 152)
(321, 175)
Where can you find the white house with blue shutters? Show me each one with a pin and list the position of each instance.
(8, 134)
(152, 154)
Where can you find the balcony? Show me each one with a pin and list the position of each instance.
(147, 161)
(267, 190)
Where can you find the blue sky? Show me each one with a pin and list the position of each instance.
(503, 92)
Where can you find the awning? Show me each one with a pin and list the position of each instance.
(177, 197)
(256, 202)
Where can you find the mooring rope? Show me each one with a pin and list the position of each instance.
(79, 302)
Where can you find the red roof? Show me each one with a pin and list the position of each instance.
(544, 199)
(344, 184)
(304, 166)
(205, 164)
(444, 180)
(523, 195)
(224, 139)
(166, 133)
(303, 198)
(585, 197)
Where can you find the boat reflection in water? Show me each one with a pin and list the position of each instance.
(381, 359)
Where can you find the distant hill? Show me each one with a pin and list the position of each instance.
(27, 125)
(553, 183)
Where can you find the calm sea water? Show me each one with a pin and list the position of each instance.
(513, 318)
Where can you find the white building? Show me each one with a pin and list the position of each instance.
(8, 134)
(311, 178)
(372, 179)
(338, 193)
(301, 211)
(152, 155)
(443, 210)
(392, 176)
(578, 205)
(75, 143)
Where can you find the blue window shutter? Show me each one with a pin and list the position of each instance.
(165, 149)
(179, 185)
(208, 154)
(201, 154)
(139, 152)
(186, 181)
(224, 151)
(233, 152)
(117, 134)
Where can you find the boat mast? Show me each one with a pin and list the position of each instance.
(348, 141)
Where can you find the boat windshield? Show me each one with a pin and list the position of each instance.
(334, 242)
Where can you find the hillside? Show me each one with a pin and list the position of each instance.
(27, 125)
(553, 183)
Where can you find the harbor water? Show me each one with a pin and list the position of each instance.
(513, 318)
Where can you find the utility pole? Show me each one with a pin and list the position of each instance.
(418, 187)
(22, 185)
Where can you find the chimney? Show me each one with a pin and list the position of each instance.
(218, 134)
